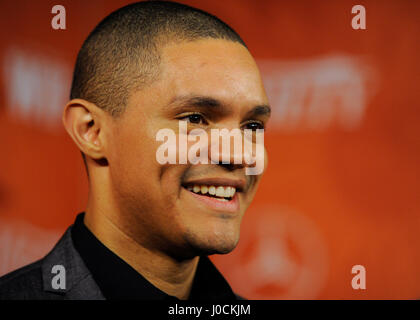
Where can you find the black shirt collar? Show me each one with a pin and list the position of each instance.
(118, 280)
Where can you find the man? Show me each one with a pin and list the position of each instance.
(148, 227)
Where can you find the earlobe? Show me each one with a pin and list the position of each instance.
(82, 121)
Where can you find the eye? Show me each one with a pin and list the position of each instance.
(254, 125)
(195, 118)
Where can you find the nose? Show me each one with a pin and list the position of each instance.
(226, 147)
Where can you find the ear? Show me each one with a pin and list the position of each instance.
(84, 123)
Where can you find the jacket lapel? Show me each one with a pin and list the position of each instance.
(78, 281)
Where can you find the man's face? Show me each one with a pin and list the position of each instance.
(211, 84)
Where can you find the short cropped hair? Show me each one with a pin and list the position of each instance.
(122, 53)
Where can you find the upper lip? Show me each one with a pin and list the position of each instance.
(236, 183)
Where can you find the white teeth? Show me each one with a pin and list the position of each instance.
(204, 189)
(228, 192)
(222, 192)
(212, 190)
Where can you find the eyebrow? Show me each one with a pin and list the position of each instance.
(209, 102)
(261, 110)
(197, 101)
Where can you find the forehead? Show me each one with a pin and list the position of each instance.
(216, 68)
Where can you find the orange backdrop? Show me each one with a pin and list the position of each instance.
(342, 186)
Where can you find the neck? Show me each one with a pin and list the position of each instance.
(171, 276)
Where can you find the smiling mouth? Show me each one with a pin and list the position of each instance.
(221, 193)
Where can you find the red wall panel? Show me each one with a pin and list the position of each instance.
(342, 186)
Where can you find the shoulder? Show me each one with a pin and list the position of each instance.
(23, 283)
(28, 282)
(35, 281)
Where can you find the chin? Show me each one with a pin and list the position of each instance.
(218, 243)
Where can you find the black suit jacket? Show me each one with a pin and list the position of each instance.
(35, 280)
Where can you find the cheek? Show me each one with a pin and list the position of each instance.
(136, 172)
(132, 161)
